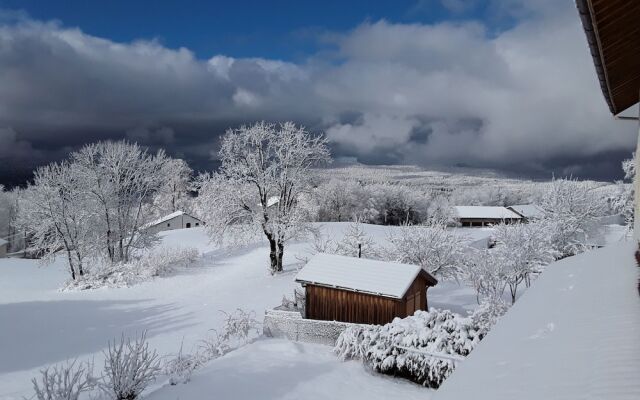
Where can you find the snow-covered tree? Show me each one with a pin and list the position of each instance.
(173, 194)
(436, 248)
(485, 271)
(265, 168)
(573, 207)
(523, 249)
(624, 200)
(121, 178)
(356, 242)
(56, 213)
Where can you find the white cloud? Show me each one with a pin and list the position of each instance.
(431, 94)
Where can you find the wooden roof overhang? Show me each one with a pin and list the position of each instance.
(613, 33)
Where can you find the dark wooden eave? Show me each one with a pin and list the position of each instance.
(612, 28)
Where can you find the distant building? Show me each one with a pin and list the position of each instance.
(360, 290)
(485, 215)
(3, 248)
(530, 212)
(175, 220)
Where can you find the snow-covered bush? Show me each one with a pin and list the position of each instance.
(160, 262)
(129, 367)
(487, 314)
(180, 366)
(423, 348)
(240, 327)
(64, 381)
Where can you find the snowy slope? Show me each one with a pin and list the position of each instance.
(278, 369)
(575, 334)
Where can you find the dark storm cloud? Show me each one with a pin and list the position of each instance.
(525, 99)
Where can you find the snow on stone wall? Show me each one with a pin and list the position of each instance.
(290, 325)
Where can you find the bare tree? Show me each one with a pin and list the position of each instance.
(263, 178)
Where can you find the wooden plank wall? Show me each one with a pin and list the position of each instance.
(340, 305)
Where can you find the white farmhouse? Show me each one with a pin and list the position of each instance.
(175, 220)
(485, 216)
(529, 211)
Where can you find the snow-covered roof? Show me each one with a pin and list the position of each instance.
(2, 242)
(485, 212)
(167, 218)
(359, 274)
(573, 335)
(528, 210)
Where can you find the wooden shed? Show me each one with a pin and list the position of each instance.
(360, 290)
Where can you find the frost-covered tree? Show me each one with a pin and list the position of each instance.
(265, 168)
(486, 272)
(121, 178)
(523, 249)
(436, 248)
(56, 212)
(623, 201)
(173, 194)
(573, 207)
(356, 242)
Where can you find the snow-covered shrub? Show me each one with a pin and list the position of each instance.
(180, 367)
(487, 314)
(296, 304)
(423, 348)
(64, 381)
(239, 328)
(160, 262)
(129, 367)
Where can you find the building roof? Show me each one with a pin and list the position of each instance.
(361, 275)
(485, 212)
(3, 242)
(528, 210)
(573, 336)
(612, 31)
(169, 217)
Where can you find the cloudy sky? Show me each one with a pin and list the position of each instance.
(506, 85)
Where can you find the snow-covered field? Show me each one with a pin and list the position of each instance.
(41, 325)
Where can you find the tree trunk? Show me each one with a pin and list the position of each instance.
(273, 254)
(280, 256)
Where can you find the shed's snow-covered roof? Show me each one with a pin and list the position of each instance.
(2, 242)
(485, 212)
(167, 218)
(359, 274)
(573, 335)
(528, 210)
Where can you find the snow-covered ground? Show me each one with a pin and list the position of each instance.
(279, 369)
(39, 325)
(573, 335)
